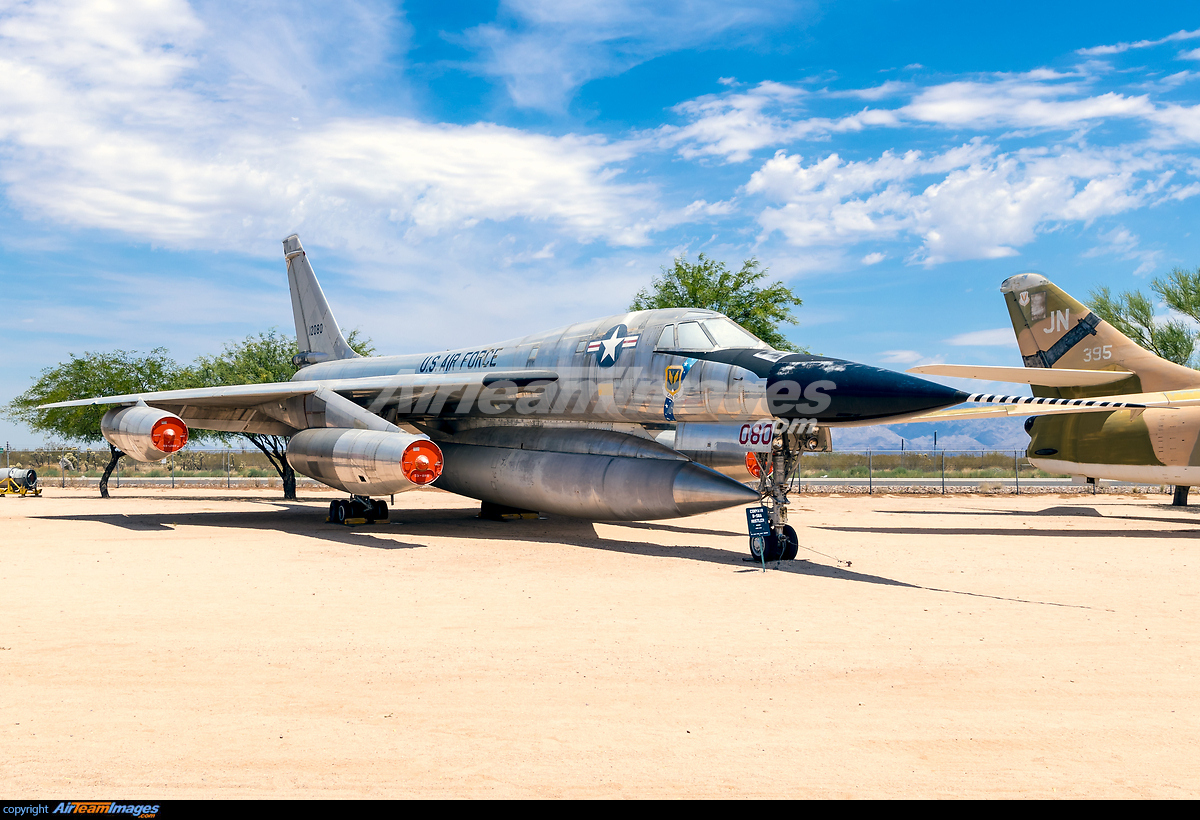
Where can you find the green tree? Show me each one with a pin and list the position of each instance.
(85, 376)
(711, 285)
(1181, 292)
(260, 359)
(265, 357)
(1132, 313)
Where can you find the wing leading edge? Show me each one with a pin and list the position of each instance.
(285, 408)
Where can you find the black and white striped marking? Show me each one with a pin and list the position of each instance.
(994, 398)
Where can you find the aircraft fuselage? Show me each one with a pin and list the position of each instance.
(653, 367)
(1151, 446)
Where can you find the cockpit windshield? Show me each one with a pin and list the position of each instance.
(692, 337)
(709, 334)
(728, 333)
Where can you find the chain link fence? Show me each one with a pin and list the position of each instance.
(941, 471)
(851, 471)
(193, 467)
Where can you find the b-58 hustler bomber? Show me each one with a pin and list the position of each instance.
(645, 415)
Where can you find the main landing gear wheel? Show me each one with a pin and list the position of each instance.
(380, 509)
(339, 511)
(773, 548)
(357, 509)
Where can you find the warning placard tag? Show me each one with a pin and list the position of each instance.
(759, 521)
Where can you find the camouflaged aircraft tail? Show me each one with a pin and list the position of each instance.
(1056, 331)
(317, 333)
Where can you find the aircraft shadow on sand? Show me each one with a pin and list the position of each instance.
(276, 516)
(303, 519)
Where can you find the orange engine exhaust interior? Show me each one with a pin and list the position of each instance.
(421, 462)
(169, 435)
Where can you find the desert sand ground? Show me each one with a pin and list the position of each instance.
(205, 643)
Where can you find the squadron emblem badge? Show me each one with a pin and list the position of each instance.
(674, 379)
(672, 383)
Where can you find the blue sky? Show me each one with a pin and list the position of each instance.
(467, 172)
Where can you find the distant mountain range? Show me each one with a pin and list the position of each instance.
(985, 434)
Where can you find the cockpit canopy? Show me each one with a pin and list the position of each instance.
(707, 334)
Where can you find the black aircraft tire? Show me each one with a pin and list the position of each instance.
(381, 510)
(774, 548)
(340, 511)
(791, 545)
(771, 546)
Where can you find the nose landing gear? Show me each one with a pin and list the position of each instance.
(358, 509)
(775, 472)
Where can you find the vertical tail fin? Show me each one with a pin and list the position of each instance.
(1056, 331)
(317, 333)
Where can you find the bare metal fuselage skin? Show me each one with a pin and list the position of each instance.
(562, 375)
(568, 383)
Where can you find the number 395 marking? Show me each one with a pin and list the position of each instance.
(1095, 354)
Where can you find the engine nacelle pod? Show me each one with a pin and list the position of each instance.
(365, 462)
(598, 487)
(144, 433)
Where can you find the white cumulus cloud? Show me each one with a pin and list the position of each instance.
(1020, 103)
(968, 202)
(108, 122)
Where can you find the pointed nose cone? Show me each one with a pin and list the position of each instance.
(698, 489)
(838, 390)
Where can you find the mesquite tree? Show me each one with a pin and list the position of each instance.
(710, 285)
(85, 376)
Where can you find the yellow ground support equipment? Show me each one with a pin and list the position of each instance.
(19, 481)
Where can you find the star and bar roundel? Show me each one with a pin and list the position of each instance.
(608, 348)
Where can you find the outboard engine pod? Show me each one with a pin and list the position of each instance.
(144, 433)
(365, 462)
